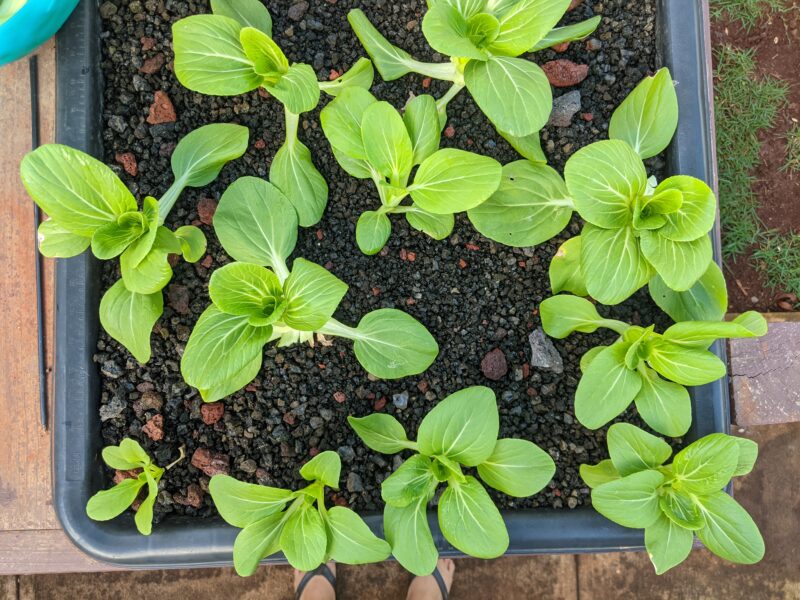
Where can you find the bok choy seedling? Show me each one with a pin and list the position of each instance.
(88, 206)
(258, 299)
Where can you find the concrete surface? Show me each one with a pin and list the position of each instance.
(771, 493)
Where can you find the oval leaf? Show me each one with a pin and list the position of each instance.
(372, 231)
(471, 522)
(129, 318)
(517, 468)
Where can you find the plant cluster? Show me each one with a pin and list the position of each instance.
(675, 502)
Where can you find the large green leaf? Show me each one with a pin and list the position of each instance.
(681, 508)
(648, 117)
(413, 480)
(680, 264)
(531, 206)
(747, 325)
(568, 33)
(207, 46)
(154, 272)
(381, 432)
(360, 75)
(341, 121)
(256, 541)
(351, 541)
(665, 406)
(526, 22)
(667, 544)
(685, 365)
(707, 465)
(304, 539)
(422, 123)
(462, 427)
(563, 314)
(201, 154)
(57, 242)
(613, 263)
(241, 504)
(108, 504)
(249, 13)
(391, 344)
(565, 269)
(78, 192)
(232, 343)
(313, 293)
(513, 92)
(256, 223)
(447, 32)
(470, 520)
(372, 231)
(297, 89)
(697, 212)
(387, 144)
(729, 531)
(436, 226)
(706, 300)
(129, 318)
(325, 467)
(128, 455)
(451, 181)
(247, 289)
(604, 179)
(602, 472)
(633, 450)
(607, 388)
(144, 514)
(239, 379)
(391, 62)
(631, 501)
(517, 468)
(294, 173)
(269, 61)
(409, 535)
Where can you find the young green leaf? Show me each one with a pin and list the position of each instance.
(631, 501)
(108, 504)
(294, 173)
(192, 241)
(256, 541)
(707, 465)
(447, 31)
(247, 290)
(602, 472)
(313, 294)
(633, 450)
(144, 514)
(681, 508)
(360, 76)
(462, 427)
(372, 231)
(128, 455)
(667, 544)
(383, 433)
(351, 541)
(706, 300)
(297, 89)
(665, 406)
(531, 206)
(112, 239)
(528, 146)
(341, 121)
(680, 264)
(748, 453)
(565, 269)
(517, 468)
(747, 325)
(56, 242)
(386, 142)
(201, 154)
(685, 365)
(436, 226)
(696, 214)
(525, 23)
(421, 119)
(562, 315)
(412, 480)
(729, 531)
(648, 117)
(249, 13)
(129, 318)
(241, 504)
(268, 59)
(391, 62)
(568, 33)
(470, 520)
(325, 467)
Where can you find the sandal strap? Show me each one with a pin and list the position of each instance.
(437, 576)
(321, 571)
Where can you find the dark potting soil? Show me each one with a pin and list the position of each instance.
(475, 296)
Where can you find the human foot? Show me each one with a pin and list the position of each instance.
(428, 588)
(319, 584)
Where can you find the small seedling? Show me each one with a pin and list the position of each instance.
(631, 369)
(231, 52)
(88, 205)
(308, 533)
(108, 504)
(461, 431)
(675, 502)
(484, 40)
(258, 299)
(372, 141)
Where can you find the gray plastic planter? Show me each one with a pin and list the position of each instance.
(684, 47)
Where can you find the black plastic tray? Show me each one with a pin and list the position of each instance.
(684, 46)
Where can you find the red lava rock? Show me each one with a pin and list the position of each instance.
(376, 291)
(260, 144)
(526, 370)
(206, 209)
(289, 419)
(328, 265)
(154, 428)
(123, 475)
(162, 110)
(173, 260)
(208, 261)
(462, 264)
(532, 392)
(193, 497)
(574, 4)
(178, 298)
(320, 235)
(339, 397)
(422, 386)
(426, 83)
(472, 247)
(449, 131)
(148, 43)
(252, 387)
(565, 73)
(339, 500)
(211, 463)
(128, 162)
(557, 493)
(410, 302)
(211, 413)
(522, 264)
(264, 93)
(412, 256)
(153, 64)
(494, 365)
(563, 47)
(380, 403)
(334, 75)
(589, 117)
(403, 254)
(384, 251)
(312, 452)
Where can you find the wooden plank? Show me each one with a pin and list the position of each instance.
(44, 551)
(24, 446)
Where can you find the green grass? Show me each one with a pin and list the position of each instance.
(745, 105)
(792, 164)
(746, 12)
(778, 257)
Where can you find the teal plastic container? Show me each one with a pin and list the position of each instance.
(26, 24)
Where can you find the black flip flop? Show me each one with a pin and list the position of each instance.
(320, 571)
(437, 576)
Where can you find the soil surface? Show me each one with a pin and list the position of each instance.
(475, 296)
(776, 41)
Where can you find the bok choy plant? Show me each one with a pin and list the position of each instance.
(231, 52)
(372, 141)
(484, 40)
(675, 502)
(634, 229)
(258, 299)
(308, 533)
(461, 431)
(88, 206)
(642, 366)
